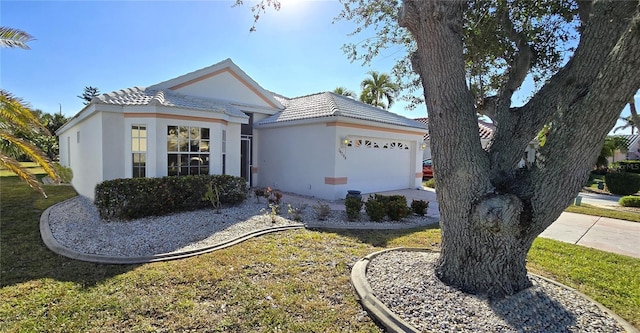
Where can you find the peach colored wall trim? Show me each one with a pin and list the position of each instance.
(206, 76)
(254, 169)
(418, 174)
(343, 124)
(172, 116)
(335, 180)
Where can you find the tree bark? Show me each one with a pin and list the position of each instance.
(491, 211)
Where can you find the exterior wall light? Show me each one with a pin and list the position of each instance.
(344, 141)
(423, 146)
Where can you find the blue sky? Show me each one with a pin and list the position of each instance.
(119, 44)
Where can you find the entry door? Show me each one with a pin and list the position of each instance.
(245, 158)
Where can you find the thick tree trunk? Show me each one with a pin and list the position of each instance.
(490, 212)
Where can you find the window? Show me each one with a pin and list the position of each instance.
(224, 152)
(188, 150)
(139, 150)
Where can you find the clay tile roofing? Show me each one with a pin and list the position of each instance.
(145, 96)
(485, 129)
(328, 104)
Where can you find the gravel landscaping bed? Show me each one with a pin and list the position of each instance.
(405, 282)
(75, 224)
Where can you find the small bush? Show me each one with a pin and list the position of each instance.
(430, 183)
(295, 211)
(133, 198)
(375, 209)
(397, 209)
(419, 207)
(322, 211)
(353, 206)
(622, 183)
(629, 201)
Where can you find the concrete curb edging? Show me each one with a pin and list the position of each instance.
(56, 247)
(393, 323)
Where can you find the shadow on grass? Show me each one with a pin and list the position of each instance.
(23, 255)
(378, 238)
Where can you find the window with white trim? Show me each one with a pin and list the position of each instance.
(188, 150)
(139, 150)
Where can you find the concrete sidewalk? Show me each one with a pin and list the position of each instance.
(606, 234)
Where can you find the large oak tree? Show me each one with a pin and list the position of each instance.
(470, 57)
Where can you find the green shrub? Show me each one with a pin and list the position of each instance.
(430, 183)
(353, 206)
(395, 205)
(375, 209)
(139, 197)
(419, 207)
(629, 201)
(322, 211)
(397, 209)
(622, 183)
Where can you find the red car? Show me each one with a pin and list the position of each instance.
(427, 169)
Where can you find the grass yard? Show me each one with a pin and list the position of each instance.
(291, 281)
(604, 212)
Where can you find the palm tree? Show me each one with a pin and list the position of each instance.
(344, 92)
(16, 117)
(611, 145)
(378, 88)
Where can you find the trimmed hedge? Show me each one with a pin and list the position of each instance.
(353, 206)
(375, 209)
(622, 183)
(629, 201)
(395, 205)
(133, 198)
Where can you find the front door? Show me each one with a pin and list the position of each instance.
(245, 158)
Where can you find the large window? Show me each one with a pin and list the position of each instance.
(139, 150)
(188, 150)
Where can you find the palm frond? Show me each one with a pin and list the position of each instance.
(10, 37)
(14, 113)
(15, 167)
(33, 152)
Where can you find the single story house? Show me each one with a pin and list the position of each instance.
(217, 120)
(485, 131)
(632, 152)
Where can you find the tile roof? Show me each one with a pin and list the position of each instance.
(630, 139)
(485, 129)
(329, 104)
(145, 96)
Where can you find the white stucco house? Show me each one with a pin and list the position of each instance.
(217, 120)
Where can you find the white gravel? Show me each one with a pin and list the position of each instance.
(405, 282)
(76, 225)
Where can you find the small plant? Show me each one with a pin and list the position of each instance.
(213, 195)
(273, 196)
(259, 192)
(322, 211)
(419, 207)
(629, 201)
(397, 209)
(353, 206)
(296, 211)
(274, 210)
(430, 183)
(375, 209)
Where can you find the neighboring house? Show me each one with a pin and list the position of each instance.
(633, 149)
(485, 131)
(217, 120)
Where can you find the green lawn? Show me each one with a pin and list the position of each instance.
(291, 281)
(597, 211)
(32, 167)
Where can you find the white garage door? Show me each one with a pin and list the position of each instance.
(379, 164)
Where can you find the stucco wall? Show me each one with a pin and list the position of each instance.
(224, 86)
(113, 148)
(296, 159)
(310, 160)
(85, 154)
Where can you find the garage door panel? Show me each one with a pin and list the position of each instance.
(378, 165)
